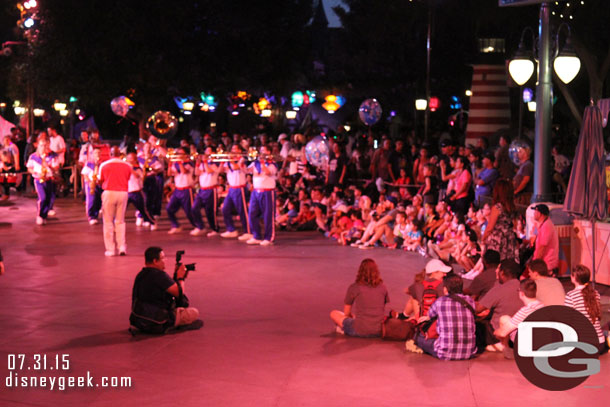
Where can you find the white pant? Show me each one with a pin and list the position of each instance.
(114, 204)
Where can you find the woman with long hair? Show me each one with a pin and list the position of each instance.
(365, 301)
(584, 299)
(499, 234)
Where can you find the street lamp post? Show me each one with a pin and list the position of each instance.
(544, 95)
(428, 53)
(544, 109)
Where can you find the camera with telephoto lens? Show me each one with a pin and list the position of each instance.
(189, 267)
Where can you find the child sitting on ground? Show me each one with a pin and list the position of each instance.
(351, 235)
(291, 212)
(471, 251)
(413, 242)
(305, 220)
(400, 230)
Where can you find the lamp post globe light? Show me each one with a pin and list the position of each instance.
(567, 63)
(521, 67)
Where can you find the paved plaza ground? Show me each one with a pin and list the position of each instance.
(267, 339)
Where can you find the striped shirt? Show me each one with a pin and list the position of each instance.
(455, 327)
(523, 313)
(575, 299)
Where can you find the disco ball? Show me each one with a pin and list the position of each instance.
(514, 148)
(370, 112)
(121, 105)
(317, 151)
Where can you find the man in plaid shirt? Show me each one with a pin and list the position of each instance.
(455, 324)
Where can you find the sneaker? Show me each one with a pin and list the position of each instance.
(93, 222)
(410, 346)
(139, 221)
(39, 220)
(266, 243)
(212, 233)
(490, 348)
(146, 224)
(109, 253)
(153, 227)
(173, 231)
(123, 252)
(245, 236)
(195, 232)
(365, 246)
(52, 212)
(253, 241)
(228, 234)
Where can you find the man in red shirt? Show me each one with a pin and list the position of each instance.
(114, 175)
(547, 240)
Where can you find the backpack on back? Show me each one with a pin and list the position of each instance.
(429, 295)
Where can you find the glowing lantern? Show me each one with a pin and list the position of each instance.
(263, 104)
(331, 105)
(298, 99)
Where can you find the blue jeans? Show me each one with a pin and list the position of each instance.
(427, 345)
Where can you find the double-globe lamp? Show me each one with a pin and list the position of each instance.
(566, 64)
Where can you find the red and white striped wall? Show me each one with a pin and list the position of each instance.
(489, 104)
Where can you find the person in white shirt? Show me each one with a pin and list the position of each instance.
(153, 181)
(57, 144)
(10, 147)
(262, 202)
(207, 197)
(236, 197)
(43, 165)
(183, 171)
(135, 195)
(93, 189)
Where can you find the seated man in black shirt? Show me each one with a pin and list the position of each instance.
(158, 302)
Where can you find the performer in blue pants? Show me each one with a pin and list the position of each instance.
(43, 164)
(182, 170)
(93, 191)
(262, 201)
(148, 157)
(236, 199)
(135, 195)
(207, 197)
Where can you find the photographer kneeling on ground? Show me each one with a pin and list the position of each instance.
(158, 302)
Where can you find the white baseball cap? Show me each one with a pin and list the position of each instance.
(435, 265)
